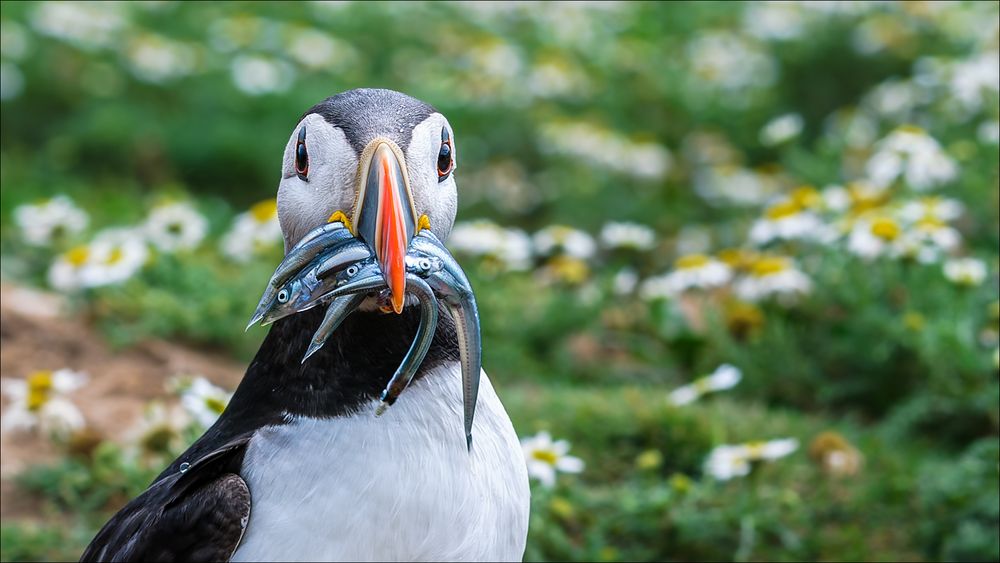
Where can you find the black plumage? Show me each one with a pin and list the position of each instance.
(350, 112)
(200, 514)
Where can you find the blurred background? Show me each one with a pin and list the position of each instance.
(736, 263)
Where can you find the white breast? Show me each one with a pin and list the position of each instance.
(400, 487)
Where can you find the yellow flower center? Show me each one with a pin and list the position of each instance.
(930, 223)
(560, 233)
(39, 389)
(115, 256)
(914, 321)
(910, 128)
(215, 405)
(806, 196)
(702, 385)
(782, 209)
(548, 456)
(768, 266)
(649, 459)
(755, 450)
(77, 256)
(561, 507)
(569, 269)
(265, 210)
(885, 228)
(691, 261)
(736, 257)
(864, 199)
(741, 318)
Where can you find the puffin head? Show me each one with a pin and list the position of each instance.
(379, 161)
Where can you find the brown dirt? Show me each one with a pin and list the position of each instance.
(35, 334)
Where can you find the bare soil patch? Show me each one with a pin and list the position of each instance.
(37, 334)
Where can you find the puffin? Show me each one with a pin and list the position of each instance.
(297, 467)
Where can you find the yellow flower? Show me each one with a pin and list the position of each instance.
(649, 460)
(561, 508)
(39, 389)
(742, 318)
(265, 210)
(40, 401)
(568, 269)
(680, 483)
(782, 209)
(806, 197)
(885, 228)
(914, 321)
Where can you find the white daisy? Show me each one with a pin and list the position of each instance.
(729, 62)
(772, 276)
(787, 220)
(40, 402)
(781, 129)
(600, 146)
(937, 208)
(965, 271)
(545, 458)
(314, 49)
(988, 132)
(88, 25)
(926, 240)
(175, 226)
(156, 59)
(160, 430)
(50, 220)
(976, 80)
(564, 240)
(253, 232)
(774, 20)
(728, 461)
(627, 235)
(625, 281)
(694, 271)
(724, 377)
(874, 237)
(736, 185)
(509, 248)
(204, 401)
(257, 75)
(114, 256)
(913, 155)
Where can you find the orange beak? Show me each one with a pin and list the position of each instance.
(385, 217)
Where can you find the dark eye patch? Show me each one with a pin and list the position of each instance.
(445, 159)
(302, 155)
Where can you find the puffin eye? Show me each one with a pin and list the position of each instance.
(283, 296)
(445, 162)
(301, 155)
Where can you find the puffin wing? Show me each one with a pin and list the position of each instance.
(199, 514)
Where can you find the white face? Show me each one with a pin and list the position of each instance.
(331, 180)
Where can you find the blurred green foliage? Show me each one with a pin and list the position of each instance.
(576, 114)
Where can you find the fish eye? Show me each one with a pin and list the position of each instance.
(445, 162)
(283, 296)
(352, 270)
(424, 264)
(301, 155)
